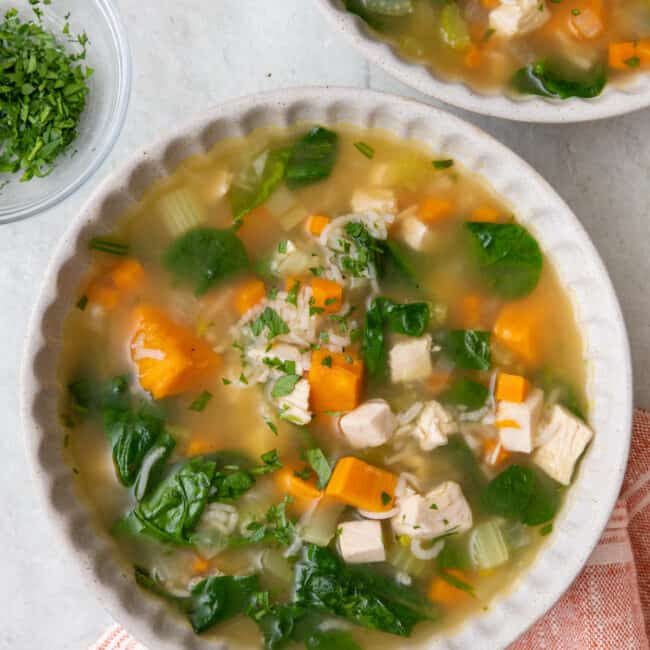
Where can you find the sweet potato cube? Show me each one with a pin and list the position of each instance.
(328, 295)
(316, 224)
(519, 327)
(171, 359)
(335, 381)
(434, 209)
(361, 485)
(485, 214)
(303, 491)
(121, 281)
(621, 55)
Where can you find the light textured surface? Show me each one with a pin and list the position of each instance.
(189, 55)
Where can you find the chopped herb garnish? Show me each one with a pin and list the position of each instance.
(327, 361)
(365, 149)
(242, 379)
(82, 302)
(576, 12)
(443, 164)
(292, 294)
(317, 270)
(107, 246)
(386, 498)
(270, 320)
(305, 473)
(282, 246)
(273, 293)
(285, 385)
(226, 381)
(433, 506)
(271, 426)
(320, 465)
(201, 401)
(456, 582)
(633, 62)
(546, 529)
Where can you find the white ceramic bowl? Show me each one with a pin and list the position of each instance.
(613, 101)
(590, 500)
(106, 107)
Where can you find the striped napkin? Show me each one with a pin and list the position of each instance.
(608, 606)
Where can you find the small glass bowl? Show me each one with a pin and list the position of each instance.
(101, 122)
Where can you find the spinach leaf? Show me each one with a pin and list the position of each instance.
(521, 494)
(211, 601)
(546, 79)
(507, 256)
(173, 511)
(469, 349)
(85, 394)
(359, 594)
(411, 319)
(466, 395)
(205, 257)
(139, 442)
(551, 383)
(395, 265)
(255, 184)
(331, 640)
(279, 624)
(312, 158)
(235, 474)
(470, 475)
(374, 20)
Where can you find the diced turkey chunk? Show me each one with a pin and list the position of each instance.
(518, 17)
(361, 541)
(370, 425)
(295, 406)
(517, 422)
(416, 234)
(432, 426)
(410, 359)
(442, 510)
(563, 437)
(374, 199)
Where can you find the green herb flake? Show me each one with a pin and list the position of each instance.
(82, 302)
(385, 498)
(285, 385)
(319, 463)
(108, 246)
(282, 246)
(292, 294)
(365, 149)
(547, 529)
(443, 164)
(327, 361)
(633, 62)
(201, 401)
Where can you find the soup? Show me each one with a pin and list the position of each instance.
(554, 48)
(318, 381)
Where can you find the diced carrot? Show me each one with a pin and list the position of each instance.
(445, 593)
(486, 214)
(434, 209)
(200, 565)
(643, 52)
(490, 4)
(473, 58)
(335, 381)
(328, 295)
(620, 55)
(171, 359)
(202, 445)
(361, 485)
(121, 281)
(439, 381)
(493, 453)
(507, 424)
(512, 388)
(519, 328)
(471, 311)
(248, 294)
(303, 491)
(316, 224)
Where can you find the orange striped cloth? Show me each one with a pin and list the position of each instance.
(608, 606)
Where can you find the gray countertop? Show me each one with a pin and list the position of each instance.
(189, 55)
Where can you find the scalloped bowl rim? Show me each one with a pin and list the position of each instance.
(590, 501)
(611, 102)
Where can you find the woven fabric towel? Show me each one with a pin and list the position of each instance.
(608, 606)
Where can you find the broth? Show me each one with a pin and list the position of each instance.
(222, 384)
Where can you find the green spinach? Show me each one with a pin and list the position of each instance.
(205, 257)
(546, 79)
(312, 158)
(466, 394)
(468, 349)
(507, 256)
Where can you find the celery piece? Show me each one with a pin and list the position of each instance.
(487, 547)
(453, 27)
(390, 7)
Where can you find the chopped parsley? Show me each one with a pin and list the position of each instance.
(285, 385)
(547, 529)
(270, 320)
(292, 294)
(319, 463)
(365, 149)
(327, 361)
(82, 302)
(443, 164)
(282, 246)
(201, 401)
(386, 498)
(633, 62)
(107, 246)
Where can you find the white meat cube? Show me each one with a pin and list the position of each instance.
(563, 437)
(517, 422)
(432, 426)
(370, 425)
(416, 233)
(518, 17)
(295, 406)
(361, 541)
(410, 359)
(442, 510)
(374, 199)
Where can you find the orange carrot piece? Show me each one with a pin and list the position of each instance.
(490, 454)
(434, 209)
(445, 593)
(512, 388)
(621, 54)
(170, 358)
(248, 295)
(200, 565)
(519, 328)
(121, 281)
(335, 381)
(474, 57)
(439, 381)
(361, 485)
(316, 224)
(303, 491)
(328, 295)
(486, 214)
(643, 52)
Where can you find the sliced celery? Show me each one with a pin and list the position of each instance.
(487, 547)
(390, 7)
(181, 211)
(323, 523)
(453, 27)
(402, 559)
